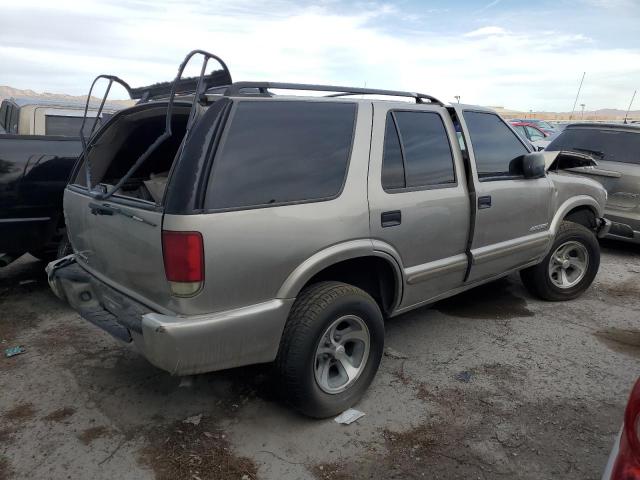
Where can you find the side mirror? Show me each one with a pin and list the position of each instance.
(533, 165)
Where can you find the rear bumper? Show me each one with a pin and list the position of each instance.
(181, 345)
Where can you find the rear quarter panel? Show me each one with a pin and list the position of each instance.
(249, 254)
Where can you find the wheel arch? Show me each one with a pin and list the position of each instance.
(355, 262)
(579, 209)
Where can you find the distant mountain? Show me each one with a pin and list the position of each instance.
(9, 92)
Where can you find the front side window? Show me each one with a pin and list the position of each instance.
(602, 144)
(520, 129)
(534, 134)
(280, 152)
(417, 152)
(496, 148)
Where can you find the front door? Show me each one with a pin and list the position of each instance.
(418, 199)
(513, 213)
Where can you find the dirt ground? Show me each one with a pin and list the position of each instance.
(488, 384)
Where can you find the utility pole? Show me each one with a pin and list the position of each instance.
(582, 114)
(577, 95)
(629, 109)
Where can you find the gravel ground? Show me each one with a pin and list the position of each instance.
(488, 384)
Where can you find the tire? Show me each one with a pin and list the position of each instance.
(574, 245)
(344, 312)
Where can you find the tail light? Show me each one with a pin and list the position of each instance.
(627, 465)
(183, 254)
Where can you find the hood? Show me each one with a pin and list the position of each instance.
(565, 160)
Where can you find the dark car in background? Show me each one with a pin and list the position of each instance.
(39, 144)
(616, 149)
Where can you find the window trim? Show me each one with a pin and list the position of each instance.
(223, 141)
(418, 188)
(494, 178)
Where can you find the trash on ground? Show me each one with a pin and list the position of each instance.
(195, 420)
(463, 376)
(390, 352)
(27, 282)
(349, 416)
(13, 351)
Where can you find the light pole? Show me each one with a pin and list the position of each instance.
(582, 114)
(530, 113)
(457, 97)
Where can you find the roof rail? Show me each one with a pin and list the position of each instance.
(262, 87)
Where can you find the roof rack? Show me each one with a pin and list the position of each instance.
(217, 78)
(262, 87)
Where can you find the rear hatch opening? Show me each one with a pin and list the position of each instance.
(123, 141)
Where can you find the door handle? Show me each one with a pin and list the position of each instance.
(484, 202)
(100, 209)
(391, 219)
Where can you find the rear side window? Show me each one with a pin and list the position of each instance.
(67, 126)
(602, 144)
(282, 151)
(496, 148)
(417, 152)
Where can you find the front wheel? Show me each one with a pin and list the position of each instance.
(570, 266)
(330, 349)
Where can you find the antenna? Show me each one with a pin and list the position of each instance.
(577, 95)
(629, 109)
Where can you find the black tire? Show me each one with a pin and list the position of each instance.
(315, 309)
(537, 278)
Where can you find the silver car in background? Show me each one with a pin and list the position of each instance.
(616, 149)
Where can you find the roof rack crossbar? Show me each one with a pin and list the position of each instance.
(238, 87)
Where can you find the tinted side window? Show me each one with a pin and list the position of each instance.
(495, 146)
(425, 154)
(67, 126)
(392, 164)
(611, 145)
(282, 151)
(3, 115)
(13, 121)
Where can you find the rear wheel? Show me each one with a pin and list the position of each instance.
(330, 349)
(570, 266)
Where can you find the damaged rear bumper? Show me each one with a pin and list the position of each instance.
(181, 345)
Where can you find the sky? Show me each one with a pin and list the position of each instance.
(520, 55)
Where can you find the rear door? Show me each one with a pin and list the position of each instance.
(119, 239)
(418, 198)
(120, 242)
(513, 213)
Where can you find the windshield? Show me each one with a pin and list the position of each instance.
(604, 144)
